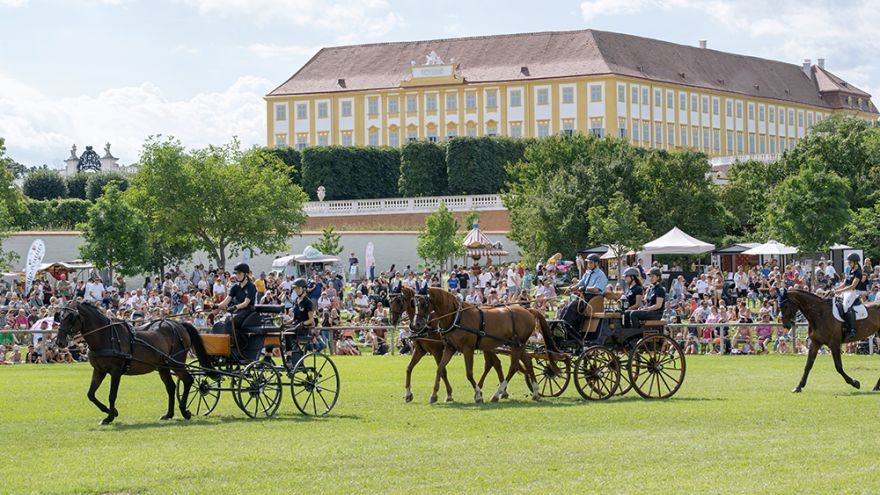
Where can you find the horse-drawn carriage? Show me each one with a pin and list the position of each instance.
(243, 365)
(607, 358)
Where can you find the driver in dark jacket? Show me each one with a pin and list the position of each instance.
(241, 299)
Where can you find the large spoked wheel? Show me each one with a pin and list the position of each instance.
(657, 367)
(314, 384)
(552, 383)
(204, 393)
(597, 373)
(625, 384)
(257, 390)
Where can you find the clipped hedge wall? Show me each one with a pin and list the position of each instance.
(351, 172)
(422, 169)
(71, 212)
(476, 165)
(76, 185)
(96, 183)
(44, 184)
(292, 158)
(39, 214)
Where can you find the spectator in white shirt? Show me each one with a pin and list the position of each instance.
(94, 290)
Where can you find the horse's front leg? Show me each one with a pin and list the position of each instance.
(469, 372)
(187, 380)
(811, 357)
(441, 370)
(115, 376)
(515, 356)
(838, 365)
(97, 379)
(417, 354)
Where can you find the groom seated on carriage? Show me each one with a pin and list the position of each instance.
(592, 284)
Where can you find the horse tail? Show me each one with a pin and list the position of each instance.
(198, 346)
(549, 341)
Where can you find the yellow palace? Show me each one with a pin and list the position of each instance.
(655, 93)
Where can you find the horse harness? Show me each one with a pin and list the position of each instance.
(480, 332)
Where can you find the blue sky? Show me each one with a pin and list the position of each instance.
(92, 71)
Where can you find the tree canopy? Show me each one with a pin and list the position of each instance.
(440, 240)
(328, 243)
(115, 235)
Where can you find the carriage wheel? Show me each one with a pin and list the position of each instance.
(597, 373)
(314, 384)
(204, 393)
(656, 367)
(625, 385)
(551, 383)
(257, 390)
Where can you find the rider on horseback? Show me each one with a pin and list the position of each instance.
(854, 286)
(592, 284)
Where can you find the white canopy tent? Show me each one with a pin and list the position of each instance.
(677, 241)
(771, 248)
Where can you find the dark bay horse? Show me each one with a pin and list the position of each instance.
(824, 329)
(429, 342)
(466, 327)
(115, 348)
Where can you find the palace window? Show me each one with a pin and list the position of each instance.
(800, 119)
(470, 101)
(346, 139)
(472, 131)
(729, 107)
(301, 142)
(373, 138)
(543, 97)
(412, 104)
(491, 130)
(302, 111)
(635, 131)
(762, 145)
(515, 130)
(771, 115)
(345, 108)
(373, 106)
(716, 106)
(596, 93)
(431, 103)
(393, 105)
(634, 99)
(451, 102)
(280, 139)
(322, 110)
(670, 134)
(695, 137)
(809, 120)
(772, 145)
(706, 104)
(751, 142)
(491, 99)
(761, 113)
(621, 129)
(568, 95)
(658, 98)
(568, 127)
(781, 116)
(791, 117)
(729, 141)
(670, 100)
(706, 136)
(751, 111)
(739, 142)
(645, 97)
(682, 102)
(658, 133)
(739, 109)
(621, 93)
(411, 135)
(432, 135)
(451, 133)
(596, 128)
(281, 112)
(684, 136)
(516, 98)
(716, 140)
(695, 104)
(393, 139)
(543, 130)
(646, 132)
(323, 140)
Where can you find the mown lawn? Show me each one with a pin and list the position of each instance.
(734, 427)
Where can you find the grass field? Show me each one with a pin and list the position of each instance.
(734, 427)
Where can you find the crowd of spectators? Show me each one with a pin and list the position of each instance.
(727, 300)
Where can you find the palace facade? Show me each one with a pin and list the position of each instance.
(654, 93)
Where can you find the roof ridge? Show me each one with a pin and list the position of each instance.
(460, 38)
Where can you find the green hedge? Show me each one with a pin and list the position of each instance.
(476, 165)
(292, 158)
(351, 172)
(96, 183)
(51, 214)
(44, 184)
(422, 169)
(76, 185)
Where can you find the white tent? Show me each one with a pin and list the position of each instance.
(677, 242)
(771, 248)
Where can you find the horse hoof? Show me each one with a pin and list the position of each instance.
(408, 398)
(106, 421)
(449, 399)
(494, 398)
(432, 400)
(856, 384)
(165, 417)
(504, 395)
(876, 389)
(186, 414)
(796, 390)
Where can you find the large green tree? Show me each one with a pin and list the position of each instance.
(328, 243)
(619, 226)
(9, 204)
(863, 231)
(115, 235)
(440, 240)
(808, 209)
(559, 179)
(222, 198)
(746, 194)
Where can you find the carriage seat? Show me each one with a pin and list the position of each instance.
(653, 323)
(595, 307)
(216, 344)
(269, 308)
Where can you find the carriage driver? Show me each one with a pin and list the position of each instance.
(592, 284)
(652, 308)
(854, 286)
(241, 298)
(303, 313)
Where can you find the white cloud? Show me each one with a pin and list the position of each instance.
(13, 3)
(350, 20)
(269, 50)
(40, 129)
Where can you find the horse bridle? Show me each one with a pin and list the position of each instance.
(455, 321)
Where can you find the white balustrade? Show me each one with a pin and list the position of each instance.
(482, 202)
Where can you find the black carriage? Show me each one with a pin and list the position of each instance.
(607, 358)
(243, 365)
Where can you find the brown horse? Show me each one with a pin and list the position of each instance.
(429, 342)
(466, 327)
(824, 329)
(115, 348)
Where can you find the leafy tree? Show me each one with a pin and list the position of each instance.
(471, 219)
(557, 182)
(115, 235)
(863, 231)
(221, 198)
(328, 243)
(440, 240)
(9, 204)
(677, 191)
(618, 225)
(98, 182)
(76, 185)
(746, 195)
(808, 209)
(44, 184)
